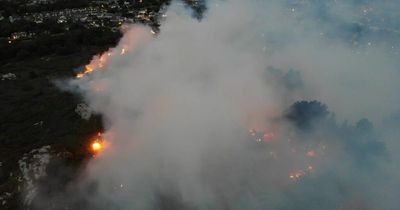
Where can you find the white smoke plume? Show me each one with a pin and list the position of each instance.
(178, 107)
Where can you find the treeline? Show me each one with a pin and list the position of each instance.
(360, 141)
(61, 44)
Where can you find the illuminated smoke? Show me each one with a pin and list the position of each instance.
(205, 114)
(135, 38)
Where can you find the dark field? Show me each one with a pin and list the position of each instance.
(35, 113)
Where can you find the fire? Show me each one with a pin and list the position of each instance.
(98, 63)
(133, 36)
(260, 135)
(80, 75)
(88, 70)
(97, 144)
(95, 64)
(297, 175)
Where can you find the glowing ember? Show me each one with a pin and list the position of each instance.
(260, 136)
(80, 75)
(88, 69)
(297, 175)
(96, 146)
(101, 61)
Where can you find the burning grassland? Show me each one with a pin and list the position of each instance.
(101, 62)
(210, 115)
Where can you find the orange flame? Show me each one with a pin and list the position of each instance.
(95, 64)
(134, 36)
(297, 175)
(97, 144)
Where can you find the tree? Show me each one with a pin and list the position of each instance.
(304, 114)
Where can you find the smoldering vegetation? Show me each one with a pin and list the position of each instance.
(256, 105)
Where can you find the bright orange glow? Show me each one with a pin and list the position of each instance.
(297, 175)
(88, 69)
(262, 135)
(95, 64)
(98, 62)
(80, 75)
(97, 146)
(133, 36)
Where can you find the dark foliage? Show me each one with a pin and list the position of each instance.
(305, 114)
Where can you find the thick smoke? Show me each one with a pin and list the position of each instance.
(178, 107)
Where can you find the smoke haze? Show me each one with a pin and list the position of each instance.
(228, 112)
